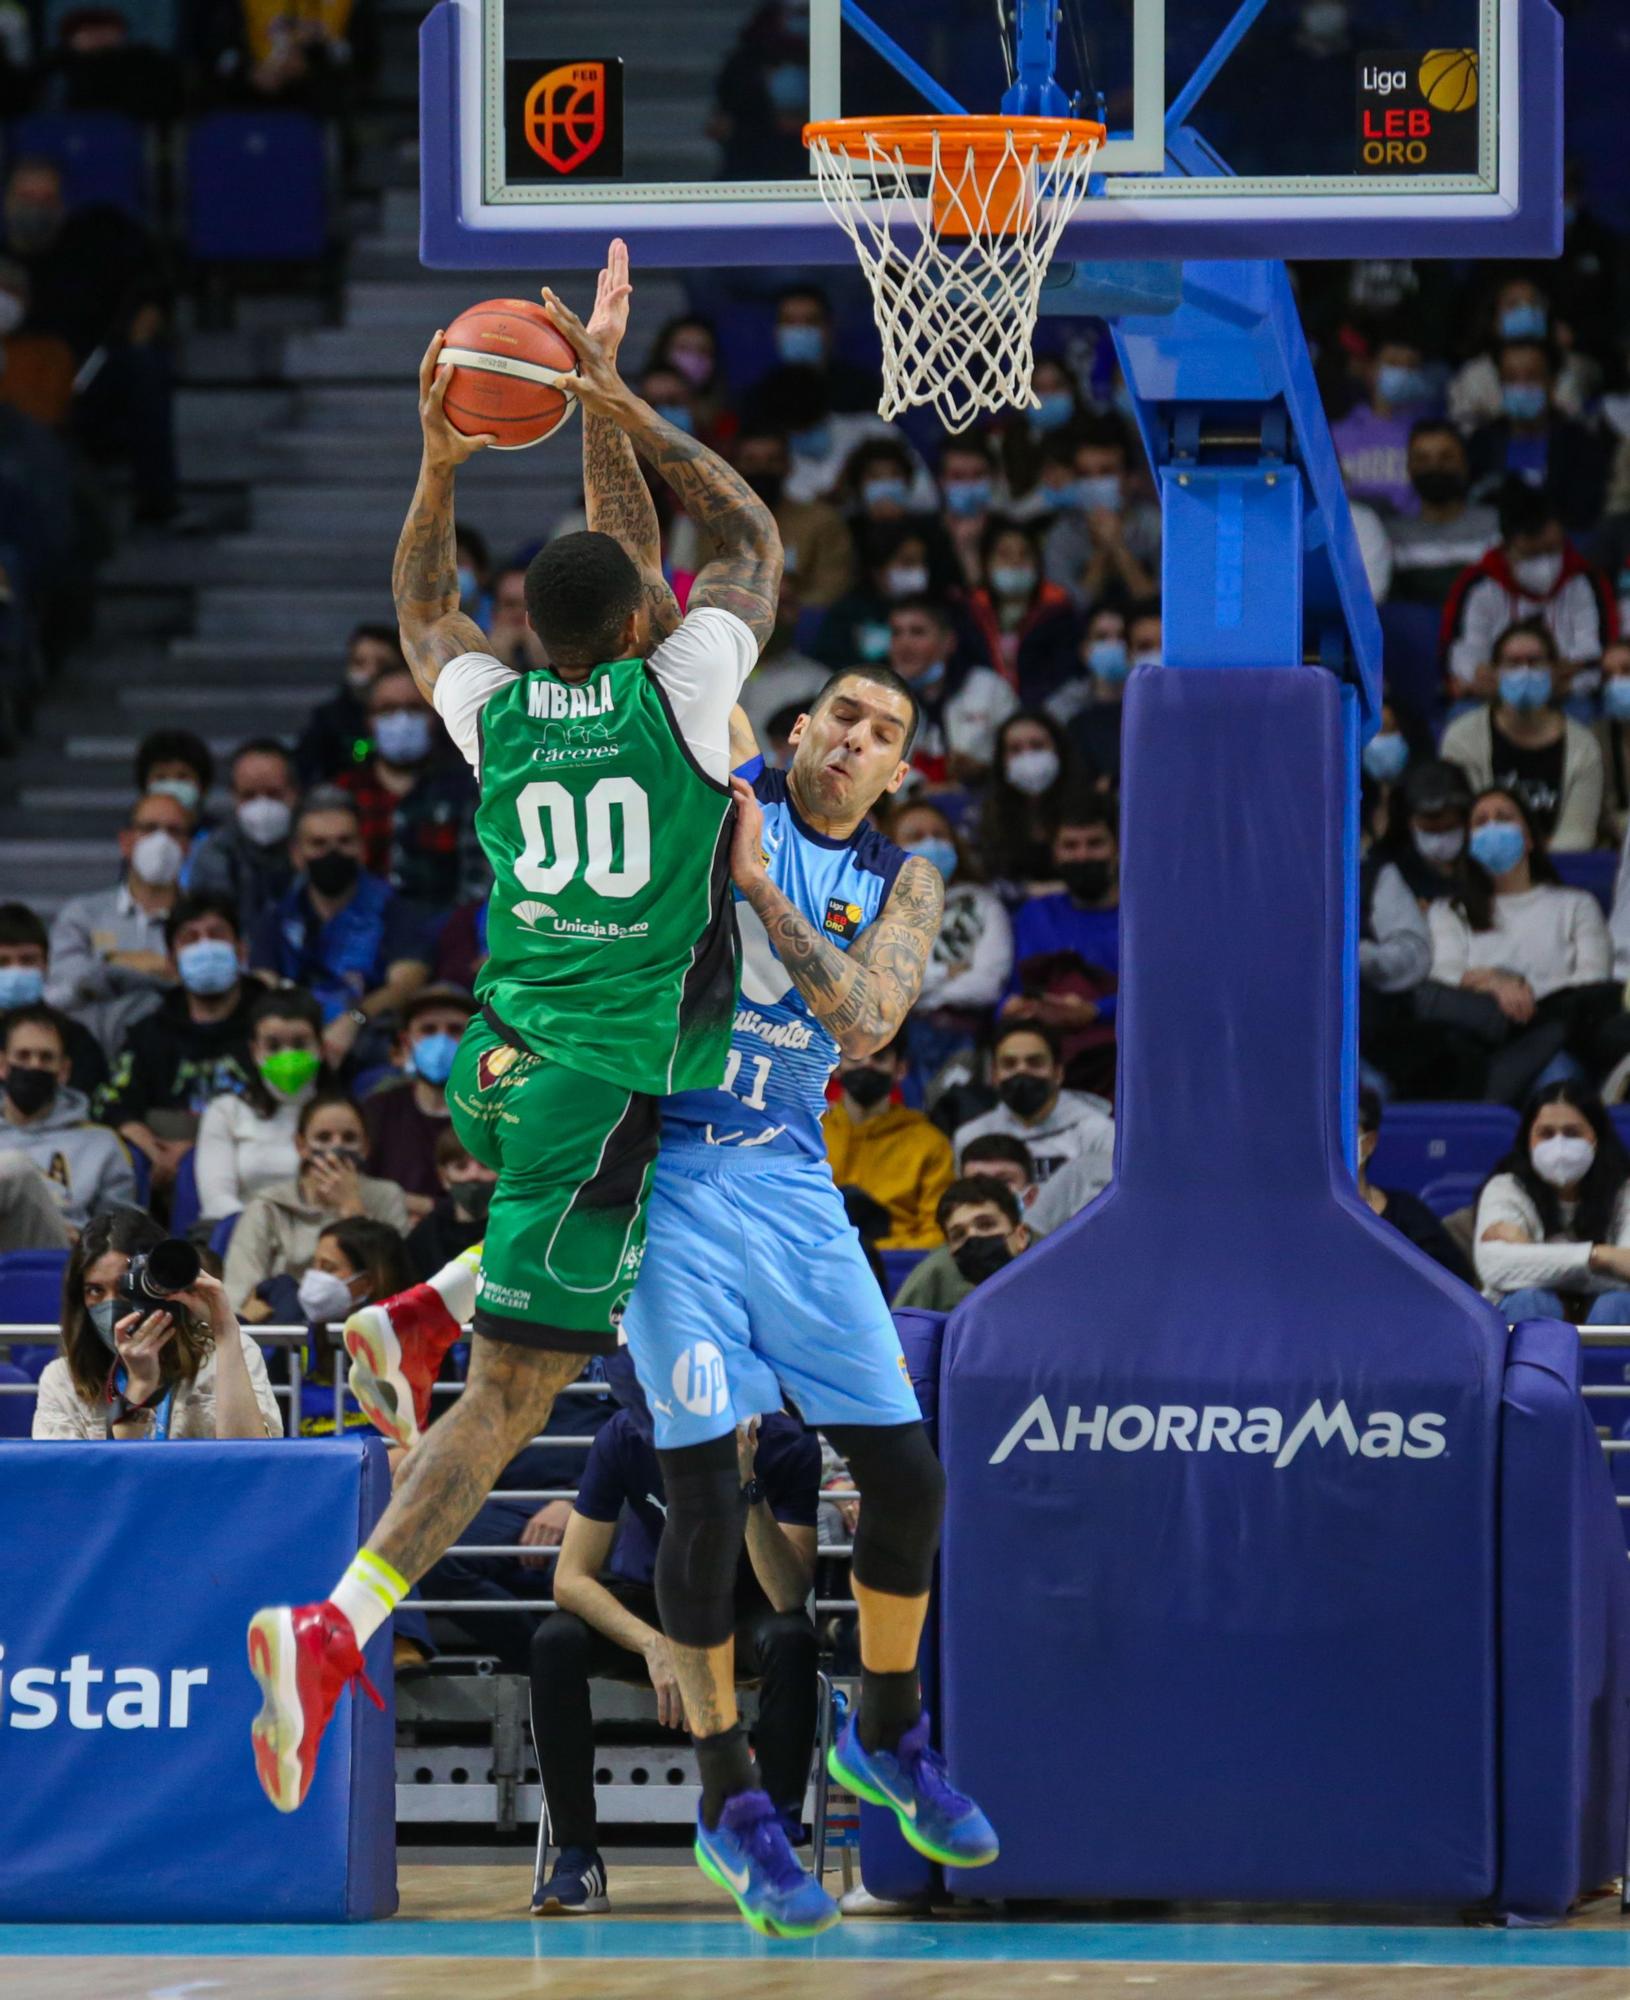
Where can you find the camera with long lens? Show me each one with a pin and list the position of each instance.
(156, 1275)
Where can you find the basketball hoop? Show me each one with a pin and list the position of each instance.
(955, 221)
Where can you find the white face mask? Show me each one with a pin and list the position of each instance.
(1538, 575)
(1438, 848)
(323, 1297)
(906, 580)
(1031, 771)
(265, 820)
(1562, 1161)
(157, 858)
(11, 313)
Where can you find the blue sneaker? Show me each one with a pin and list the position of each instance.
(936, 1818)
(747, 1854)
(577, 1888)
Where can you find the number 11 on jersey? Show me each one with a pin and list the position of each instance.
(753, 1096)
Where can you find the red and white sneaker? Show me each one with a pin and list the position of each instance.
(303, 1657)
(396, 1350)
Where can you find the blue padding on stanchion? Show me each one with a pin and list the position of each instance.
(1218, 1581)
(128, 1575)
(1565, 1637)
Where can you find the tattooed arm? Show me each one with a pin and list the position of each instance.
(424, 577)
(619, 501)
(743, 571)
(862, 995)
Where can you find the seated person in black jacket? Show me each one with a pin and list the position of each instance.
(1407, 1213)
(458, 1221)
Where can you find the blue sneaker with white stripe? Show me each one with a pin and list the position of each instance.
(747, 1854)
(934, 1816)
(577, 1888)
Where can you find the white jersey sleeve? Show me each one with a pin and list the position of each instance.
(463, 689)
(701, 668)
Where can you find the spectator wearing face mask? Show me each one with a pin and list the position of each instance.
(895, 567)
(1519, 310)
(1394, 956)
(803, 338)
(1028, 625)
(46, 1121)
(107, 949)
(797, 402)
(1058, 1125)
(277, 1232)
(458, 1219)
(971, 491)
(1552, 1236)
(1372, 439)
(1522, 742)
(335, 738)
(1521, 966)
(1032, 774)
(960, 705)
(1102, 538)
(246, 1140)
(1533, 441)
(1445, 532)
(1532, 572)
(355, 1263)
(689, 345)
(1026, 434)
(1407, 1213)
(784, 677)
(510, 636)
(193, 1047)
(406, 1119)
(247, 858)
(1613, 738)
(820, 551)
(179, 763)
(474, 572)
(972, 955)
(878, 481)
(893, 1154)
(416, 810)
(936, 1284)
(981, 1231)
(343, 935)
(1384, 761)
(187, 1371)
(1067, 949)
(25, 959)
(1115, 643)
(1426, 832)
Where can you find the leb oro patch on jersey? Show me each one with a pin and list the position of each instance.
(843, 918)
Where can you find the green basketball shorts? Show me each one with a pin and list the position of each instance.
(566, 1230)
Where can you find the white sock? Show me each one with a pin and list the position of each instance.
(368, 1593)
(454, 1284)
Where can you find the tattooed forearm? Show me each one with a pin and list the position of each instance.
(860, 996)
(620, 505)
(424, 582)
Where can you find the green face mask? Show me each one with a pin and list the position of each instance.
(290, 1070)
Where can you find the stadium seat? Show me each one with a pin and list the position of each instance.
(1620, 1114)
(257, 188)
(31, 1295)
(221, 1235)
(1421, 1143)
(103, 156)
(1451, 1191)
(16, 1412)
(1596, 871)
(144, 1174)
(898, 1265)
(1411, 659)
(184, 1206)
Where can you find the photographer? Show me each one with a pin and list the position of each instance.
(138, 1365)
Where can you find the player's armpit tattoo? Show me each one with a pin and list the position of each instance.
(620, 505)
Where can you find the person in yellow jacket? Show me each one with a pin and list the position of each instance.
(895, 1155)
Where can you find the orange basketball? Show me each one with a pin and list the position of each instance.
(507, 362)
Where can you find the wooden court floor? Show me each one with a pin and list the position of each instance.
(464, 1934)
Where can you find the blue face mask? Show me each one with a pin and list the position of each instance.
(1525, 687)
(788, 86)
(467, 584)
(800, 346)
(941, 854)
(1497, 845)
(1109, 659)
(20, 986)
(1012, 579)
(1399, 386)
(929, 678)
(1524, 323)
(1054, 410)
(402, 735)
(967, 498)
(1616, 698)
(208, 967)
(885, 492)
(433, 1056)
(1102, 491)
(1525, 402)
(676, 414)
(103, 1316)
(816, 442)
(1385, 756)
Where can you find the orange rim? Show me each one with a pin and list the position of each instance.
(912, 138)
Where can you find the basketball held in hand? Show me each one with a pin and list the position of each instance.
(507, 361)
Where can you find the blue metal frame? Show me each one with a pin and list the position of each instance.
(934, 94)
(1205, 71)
(1035, 90)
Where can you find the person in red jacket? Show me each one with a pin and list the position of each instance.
(1029, 625)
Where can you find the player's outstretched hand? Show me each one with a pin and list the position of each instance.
(596, 383)
(444, 447)
(747, 862)
(609, 320)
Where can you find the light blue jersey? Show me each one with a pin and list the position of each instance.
(780, 1056)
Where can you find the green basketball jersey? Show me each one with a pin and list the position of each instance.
(610, 929)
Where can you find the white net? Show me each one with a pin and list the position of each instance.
(955, 247)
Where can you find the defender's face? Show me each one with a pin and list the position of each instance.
(852, 749)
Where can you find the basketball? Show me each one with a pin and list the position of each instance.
(507, 360)
(1449, 79)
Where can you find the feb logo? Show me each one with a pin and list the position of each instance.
(843, 918)
(565, 115)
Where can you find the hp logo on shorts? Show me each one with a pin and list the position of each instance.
(699, 1381)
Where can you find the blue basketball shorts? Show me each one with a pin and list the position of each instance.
(754, 1290)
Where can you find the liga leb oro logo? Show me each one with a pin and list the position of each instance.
(494, 1064)
(843, 918)
(565, 116)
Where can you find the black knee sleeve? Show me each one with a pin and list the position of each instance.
(701, 1542)
(902, 1492)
